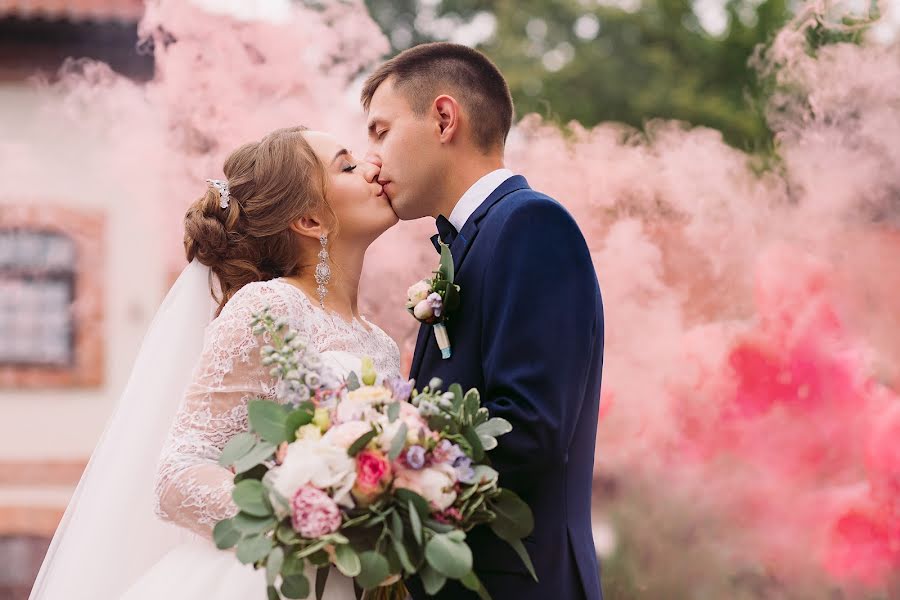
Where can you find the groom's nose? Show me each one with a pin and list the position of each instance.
(373, 158)
(371, 171)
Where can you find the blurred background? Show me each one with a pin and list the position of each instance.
(732, 163)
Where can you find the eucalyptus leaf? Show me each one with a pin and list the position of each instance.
(260, 452)
(274, 564)
(487, 442)
(250, 497)
(295, 586)
(414, 500)
(249, 525)
(254, 548)
(268, 420)
(398, 442)
(514, 517)
(393, 411)
(448, 556)
(447, 268)
(403, 555)
(286, 535)
(520, 549)
(472, 582)
(312, 548)
(415, 522)
(352, 381)
(432, 581)
(225, 535)
(347, 560)
(361, 442)
(374, 570)
(293, 565)
(236, 448)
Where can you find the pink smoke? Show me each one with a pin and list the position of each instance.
(750, 417)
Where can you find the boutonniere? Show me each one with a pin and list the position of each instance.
(431, 300)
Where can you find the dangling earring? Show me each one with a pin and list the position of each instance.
(323, 271)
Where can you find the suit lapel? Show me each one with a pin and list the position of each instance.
(459, 249)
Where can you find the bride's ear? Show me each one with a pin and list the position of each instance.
(309, 227)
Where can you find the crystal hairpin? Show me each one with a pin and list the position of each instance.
(224, 193)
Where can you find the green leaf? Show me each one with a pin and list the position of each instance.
(403, 555)
(432, 580)
(514, 518)
(420, 503)
(520, 549)
(260, 452)
(249, 525)
(321, 580)
(472, 582)
(361, 442)
(398, 442)
(272, 593)
(475, 442)
(254, 548)
(347, 560)
(494, 427)
(353, 381)
(375, 569)
(447, 268)
(293, 565)
(471, 403)
(295, 586)
(312, 548)
(393, 411)
(237, 447)
(225, 535)
(257, 472)
(250, 497)
(268, 420)
(415, 522)
(298, 418)
(449, 557)
(273, 565)
(438, 527)
(286, 535)
(451, 298)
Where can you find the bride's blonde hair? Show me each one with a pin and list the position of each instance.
(272, 183)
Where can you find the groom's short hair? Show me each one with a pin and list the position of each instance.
(423, 72)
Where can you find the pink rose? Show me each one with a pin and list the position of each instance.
(373, 473)
(314, 513)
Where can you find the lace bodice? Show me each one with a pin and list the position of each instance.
(192, 490)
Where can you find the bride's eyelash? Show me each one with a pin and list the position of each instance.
(349, 168)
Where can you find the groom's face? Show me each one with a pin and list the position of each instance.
(406, 147)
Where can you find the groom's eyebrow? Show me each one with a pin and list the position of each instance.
(340, 153)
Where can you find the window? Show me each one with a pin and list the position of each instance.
(50, 297)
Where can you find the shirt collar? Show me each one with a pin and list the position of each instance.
(476, 195)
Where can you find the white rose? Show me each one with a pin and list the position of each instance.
(423, 310)
(343, 435)
(316, 463)
(418, 292)
(435, 484)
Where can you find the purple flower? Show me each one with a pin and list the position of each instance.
(464, 470)
(447, 452)
(436, 302)
(400, 388)
(415, 457)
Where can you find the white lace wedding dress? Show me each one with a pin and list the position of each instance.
(193, 491)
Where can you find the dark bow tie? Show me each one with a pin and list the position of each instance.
(446, 233)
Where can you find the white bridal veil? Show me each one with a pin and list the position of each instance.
(109, 534)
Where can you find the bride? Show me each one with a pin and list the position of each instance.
(288, 229)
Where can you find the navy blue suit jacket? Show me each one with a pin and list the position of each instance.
(529, 335)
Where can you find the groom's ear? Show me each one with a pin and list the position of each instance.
(308, 227)
(448, 116)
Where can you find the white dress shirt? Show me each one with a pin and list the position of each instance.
(476, 195)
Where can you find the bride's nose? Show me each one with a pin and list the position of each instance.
(370, 171)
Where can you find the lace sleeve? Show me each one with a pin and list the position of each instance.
(192, 490)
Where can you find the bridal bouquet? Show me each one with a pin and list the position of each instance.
(376, 478)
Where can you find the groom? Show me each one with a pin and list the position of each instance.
(529, 330)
